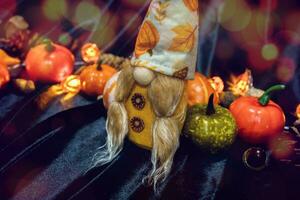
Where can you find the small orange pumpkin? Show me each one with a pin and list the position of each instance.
(199, 90)
(94, 77)
(4, 75)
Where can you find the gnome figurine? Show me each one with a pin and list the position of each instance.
(149, 103)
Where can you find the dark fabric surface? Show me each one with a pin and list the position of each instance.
(47, 155)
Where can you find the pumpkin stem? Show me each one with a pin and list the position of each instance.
(210, 109)
(99, 65)
(265, 98)
(49, 46)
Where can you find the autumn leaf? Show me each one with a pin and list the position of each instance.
(161, 10)
(184, 40)
(147, 39)
(192, 5)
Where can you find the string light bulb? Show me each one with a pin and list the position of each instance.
(90, 53)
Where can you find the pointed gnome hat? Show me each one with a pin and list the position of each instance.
(167, 40)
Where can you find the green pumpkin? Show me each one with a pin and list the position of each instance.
(211, 127)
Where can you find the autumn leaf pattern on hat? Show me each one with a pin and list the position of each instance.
(167, 39)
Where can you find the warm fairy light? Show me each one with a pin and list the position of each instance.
(71, 84)
(90, 52)
(69, 88)
(269, 51)
(235, 15)
(217, 84)
(285, 69)
(298, 111)
(240, 85)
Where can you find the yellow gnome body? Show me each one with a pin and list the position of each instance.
(149, 102)
(141, 117)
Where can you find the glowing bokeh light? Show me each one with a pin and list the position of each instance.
(256, 32)
(55, 9)
(298, 111)
(87, 14)
(105, 33)
(236, 16)
(227, 10)
(269, 51)
(285, 69)
(256, 60)
(282, 146)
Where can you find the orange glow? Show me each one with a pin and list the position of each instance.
(90, 52)
(71, 84)
(298, 111)
(240, 85)
(217, 84)
(69, 88)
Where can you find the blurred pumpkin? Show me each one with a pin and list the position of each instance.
(8, 60)
(199, 90)
(5, 61)
(4, 75)
(49, 62)
(94, 77)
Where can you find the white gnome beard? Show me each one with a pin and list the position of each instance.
(166, 96)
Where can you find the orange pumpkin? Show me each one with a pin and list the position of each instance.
(94, 77)
(258, 119)
(4, 75)
(199, 90)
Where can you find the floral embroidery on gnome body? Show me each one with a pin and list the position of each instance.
(150, 102)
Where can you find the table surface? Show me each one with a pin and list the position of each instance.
(47, 154)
